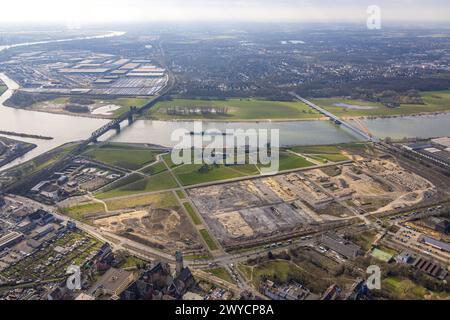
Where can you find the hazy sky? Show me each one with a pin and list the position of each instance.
(88, 11)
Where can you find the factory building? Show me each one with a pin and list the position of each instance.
(435, 243)
(346, 248)
(10, 239)
(438, 151)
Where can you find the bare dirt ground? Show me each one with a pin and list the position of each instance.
(269, 206)
(166, 229)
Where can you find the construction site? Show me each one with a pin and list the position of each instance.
(304, 201)
(164, 229)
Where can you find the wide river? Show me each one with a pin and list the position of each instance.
(65, 128)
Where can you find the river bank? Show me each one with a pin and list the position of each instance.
(237, 120)
(300, 119)
(67, 113)
(67, 128)
(12, 149)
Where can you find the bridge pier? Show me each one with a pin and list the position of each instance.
(133, 110)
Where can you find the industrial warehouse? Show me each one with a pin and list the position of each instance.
(84, 73)
(437, 150)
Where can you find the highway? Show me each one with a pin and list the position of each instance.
(336, 119)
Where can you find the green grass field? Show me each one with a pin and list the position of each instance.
(290, 161)
(238, 109)
(434, 101)
(124, 103)
(381, 255)
(123, 182)
(80, 211)
(195, 218)
(324, 149)
(132, 262)
(365, 239)
(403, 288)
(329, 157)
(3, 89)
(158, 200)
(155, 168)
(326, 153)
(221, 273)
(190, 174)
(47, 159)
(279, 269)
(131, 157)
(158, 182)
(168, 160)
(197, 257)
(39, 163)
(208, 239)
(181, 195)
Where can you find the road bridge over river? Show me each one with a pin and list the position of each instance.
(336, 119)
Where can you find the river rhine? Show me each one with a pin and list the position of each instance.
(65, 128)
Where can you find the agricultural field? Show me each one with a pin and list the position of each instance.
(435, 101)
(235, 109)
